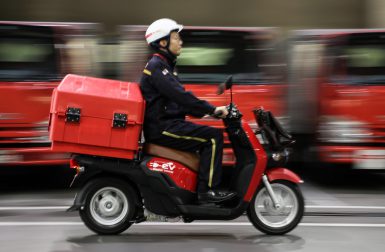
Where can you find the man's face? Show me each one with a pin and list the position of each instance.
(175, 43)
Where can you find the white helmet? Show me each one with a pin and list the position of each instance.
(161, 28)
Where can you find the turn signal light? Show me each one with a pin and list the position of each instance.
(75, 165)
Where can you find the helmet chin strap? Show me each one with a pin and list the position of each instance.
(171, 54)
(166, 49)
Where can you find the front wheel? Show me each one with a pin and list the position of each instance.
(109, 206)
(276, 221)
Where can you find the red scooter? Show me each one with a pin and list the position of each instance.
(160, 184)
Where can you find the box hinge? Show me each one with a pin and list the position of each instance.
(72, 115)
(120, 120)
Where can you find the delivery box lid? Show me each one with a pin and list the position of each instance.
(100, 98)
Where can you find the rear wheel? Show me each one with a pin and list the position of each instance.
(276, 221)
(109, 206)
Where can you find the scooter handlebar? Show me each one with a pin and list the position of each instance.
(233, 112)
(217, 114)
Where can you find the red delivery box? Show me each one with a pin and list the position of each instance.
(96, 116)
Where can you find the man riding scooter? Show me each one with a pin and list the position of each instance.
(167, 104)
(122, 184)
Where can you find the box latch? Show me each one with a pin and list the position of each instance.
(73, 115)
(120, 120)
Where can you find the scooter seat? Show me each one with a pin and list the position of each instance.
(189, 159)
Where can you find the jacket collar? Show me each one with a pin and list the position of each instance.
(169, 59)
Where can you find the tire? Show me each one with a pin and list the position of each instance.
(267, 219)
(110, 205)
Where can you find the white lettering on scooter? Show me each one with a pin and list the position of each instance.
(162, 166)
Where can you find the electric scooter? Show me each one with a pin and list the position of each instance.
(160, 183)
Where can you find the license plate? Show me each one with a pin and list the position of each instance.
(369, 159)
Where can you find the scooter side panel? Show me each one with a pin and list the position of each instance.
(183, 177)
(260, 166)
(163, 191)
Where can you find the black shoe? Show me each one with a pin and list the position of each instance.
(212, 196)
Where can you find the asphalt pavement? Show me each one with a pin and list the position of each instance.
(345, 211)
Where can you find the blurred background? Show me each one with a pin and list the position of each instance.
(287, 14)
(318, 65)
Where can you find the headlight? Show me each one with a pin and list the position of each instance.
(278, 156)
(342, 130)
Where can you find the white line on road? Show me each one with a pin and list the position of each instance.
(41, 223)
(7, 208)
(341, 225)
(46, 223)
(15, 208)
(249, 224)
(346, 207)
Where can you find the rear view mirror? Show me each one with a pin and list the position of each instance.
(225, 85)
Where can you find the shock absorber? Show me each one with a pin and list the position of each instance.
(270, 191)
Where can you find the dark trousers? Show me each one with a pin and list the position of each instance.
(208, 141)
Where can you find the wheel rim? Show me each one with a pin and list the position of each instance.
(276, 217)
(109, 206)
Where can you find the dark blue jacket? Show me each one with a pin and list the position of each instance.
(167, 102)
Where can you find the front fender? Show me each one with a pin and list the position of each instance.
(283, 174)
